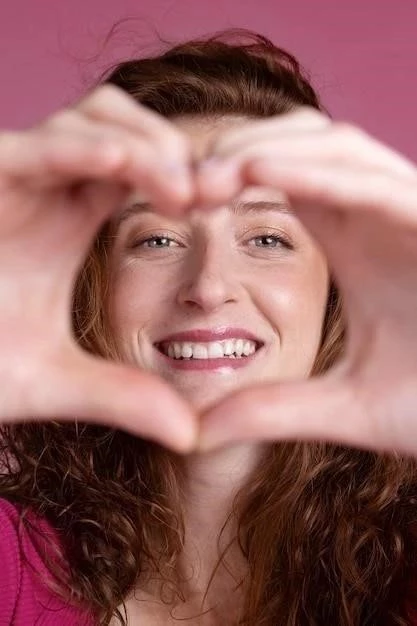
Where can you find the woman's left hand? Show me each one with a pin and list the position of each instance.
(358, 199)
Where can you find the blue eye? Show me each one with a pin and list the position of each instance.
(155, 242)
(266, 242)
(271, 241)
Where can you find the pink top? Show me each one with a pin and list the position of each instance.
(24, 598)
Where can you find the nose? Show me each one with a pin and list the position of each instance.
(210, 282)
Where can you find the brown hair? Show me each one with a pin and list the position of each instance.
(326, 530)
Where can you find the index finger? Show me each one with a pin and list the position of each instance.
(112, 104)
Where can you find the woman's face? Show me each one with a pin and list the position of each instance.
(221, 299)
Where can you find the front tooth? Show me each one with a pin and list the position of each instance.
(200, 351)
(228, 347)
(187, 351)
(177, 350)
(239, 347)
(215, 351)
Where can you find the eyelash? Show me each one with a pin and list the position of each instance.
(286, 243)
(140, 242)
(279, 238)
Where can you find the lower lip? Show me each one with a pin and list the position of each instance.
(209, 364)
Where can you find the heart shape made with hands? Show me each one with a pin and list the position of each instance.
(355, 196)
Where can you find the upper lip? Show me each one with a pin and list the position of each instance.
(211, 334)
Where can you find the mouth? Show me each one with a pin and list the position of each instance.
(228, 349)
(209, 349)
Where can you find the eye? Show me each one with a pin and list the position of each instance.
(270, 241)
(155, 242)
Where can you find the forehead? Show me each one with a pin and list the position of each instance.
(251, 201)
(203, 131)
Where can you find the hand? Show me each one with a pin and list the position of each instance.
(58, 183)
(359, 200)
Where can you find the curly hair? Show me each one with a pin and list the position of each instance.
(328, 531)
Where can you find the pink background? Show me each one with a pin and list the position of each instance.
(362, 54)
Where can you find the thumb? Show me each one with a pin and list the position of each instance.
(92, 389)
(323, 408)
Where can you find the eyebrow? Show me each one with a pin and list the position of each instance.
(238, 208)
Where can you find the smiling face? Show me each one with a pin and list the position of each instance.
(221, 299)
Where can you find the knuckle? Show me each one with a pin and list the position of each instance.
(346, 139)
(9, 138)
(309, 114)
(103, 96)
(346, 131)
(59, 120)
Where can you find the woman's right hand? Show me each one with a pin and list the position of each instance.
(59, 182)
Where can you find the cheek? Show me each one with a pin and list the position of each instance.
(294, 303)
(136, 298)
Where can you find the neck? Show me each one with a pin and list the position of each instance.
(212, 482)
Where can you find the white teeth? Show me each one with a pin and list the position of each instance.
(230, 348)
(248, 348)
(187, 351)
(215, 351)
(200, 351)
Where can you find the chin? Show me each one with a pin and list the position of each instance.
(203, 400)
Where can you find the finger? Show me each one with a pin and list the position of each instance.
(304, 119)
(47, 159)
(218, 177)
(338, 145)
(335, 186)
(158, 169)
(32, 155)
(164, 159)
(319, 409)
(90, 389)
(112, 105)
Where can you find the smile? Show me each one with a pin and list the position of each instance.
(229, 349)
(209, 349)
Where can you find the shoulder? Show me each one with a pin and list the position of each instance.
(25, 550)
(11, 573)
(24, 544)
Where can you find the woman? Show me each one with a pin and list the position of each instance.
(217, 256)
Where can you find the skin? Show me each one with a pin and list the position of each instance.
(61, 180)
(216, 273)
(358, 199)
(213, 273)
